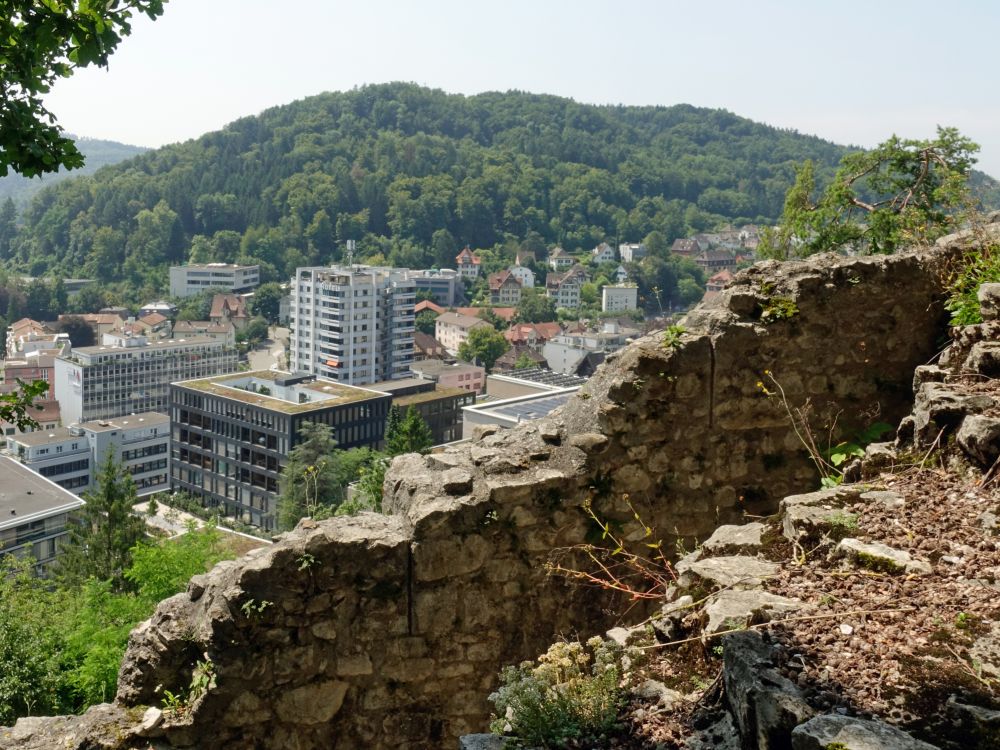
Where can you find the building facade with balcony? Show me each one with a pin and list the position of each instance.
(352, 325)
(231, 435)
(72, 457)
(128, 375)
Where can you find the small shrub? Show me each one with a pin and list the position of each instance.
(778, 308)
(672, 337)
(560, 698)
(979, 267)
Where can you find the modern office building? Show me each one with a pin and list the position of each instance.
(619, 298)
(72, 457)
(353, 325)
(128, 375)
(34, 514)
(231, 435)
(438, 405)
(186, 281)
(446, 285)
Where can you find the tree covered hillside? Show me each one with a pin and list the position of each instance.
(413, 174)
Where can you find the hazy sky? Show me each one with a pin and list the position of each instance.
(852, 72)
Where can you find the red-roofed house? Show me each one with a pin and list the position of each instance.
(533, 335)
(505, 289)
(427, 305)
(229, 307)
(467, 264)
(505, 314)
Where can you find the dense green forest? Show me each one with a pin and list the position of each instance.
(98, 154)
(413, 174)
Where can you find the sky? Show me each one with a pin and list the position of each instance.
(851, 72)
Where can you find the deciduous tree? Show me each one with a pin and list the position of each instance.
(484, 346)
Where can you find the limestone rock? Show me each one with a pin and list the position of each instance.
(979, 437)
(734, 570)
(151, 721)
(850, 733)
(984, 359)
(882, 557)
(731, 609)
(989, 301)
(480, 742)
(481, 431)
(668, 624)
(655, 691)
(886, 498)
(972, 726)
(735, 538)
(939, 408)
(312, 704)
(591, 442)
(765, 705)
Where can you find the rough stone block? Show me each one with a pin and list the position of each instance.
(851, 733)
(881, 557)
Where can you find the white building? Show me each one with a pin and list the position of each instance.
(73, 457)
(35, 518)
(565, 352)
(445, 284)
(619, 298)
(128, 375)
(603, 253)
(452, 329)
(186, 281)
(523, 274)
(352, 324)
(632, 252)
(564, 289)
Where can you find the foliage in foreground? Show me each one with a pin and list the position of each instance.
(573, 692)
(62, 641)
(901, 192)
(979, 266)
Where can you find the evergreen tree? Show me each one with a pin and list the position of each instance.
(311, 483)
(100, 545)
(408, 435)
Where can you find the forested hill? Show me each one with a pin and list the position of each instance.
(414, 174)
(97, 153)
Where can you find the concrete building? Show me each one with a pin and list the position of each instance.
(512, 411)
(352, 324)
(619, 298)
(566, 352)
(186, 281)
(438, 405)
(632, 252)
(129, 375)
(451, 375)
(224, 332)
(72, 457)
(452, 329)
(446, 285)
(34, 514)
(231, 435)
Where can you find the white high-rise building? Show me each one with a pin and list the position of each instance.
(352, 324)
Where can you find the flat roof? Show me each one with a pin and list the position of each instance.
(333, 393)
(438, 367)
(143, 419)
(41, 437)
(435, 395)
(542, 376)
(26, 496)
(150, 344)
(525, 408)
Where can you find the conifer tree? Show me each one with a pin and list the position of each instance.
(100, 545)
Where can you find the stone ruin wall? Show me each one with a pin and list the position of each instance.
(388, 631)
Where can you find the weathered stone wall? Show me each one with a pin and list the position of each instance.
(387, 632)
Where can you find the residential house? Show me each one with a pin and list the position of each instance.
(568, 352)
(532, 335)
(523, 274)
(712, 261)
(27, 336)
(100, 323)
(163, 307)
(426, 304)
(505, 289)
(560, 260)
(716, 284)
(632, 252)
(564, 288)
(224, 331)
(685, 248)
(231, 308)
(509, 360)
(427, 347)
(467, 263)
(453, 328)
(621, 275)
(506, 314)
(603, 253)
(463, 375)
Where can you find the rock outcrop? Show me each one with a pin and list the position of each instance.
(388, 631)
